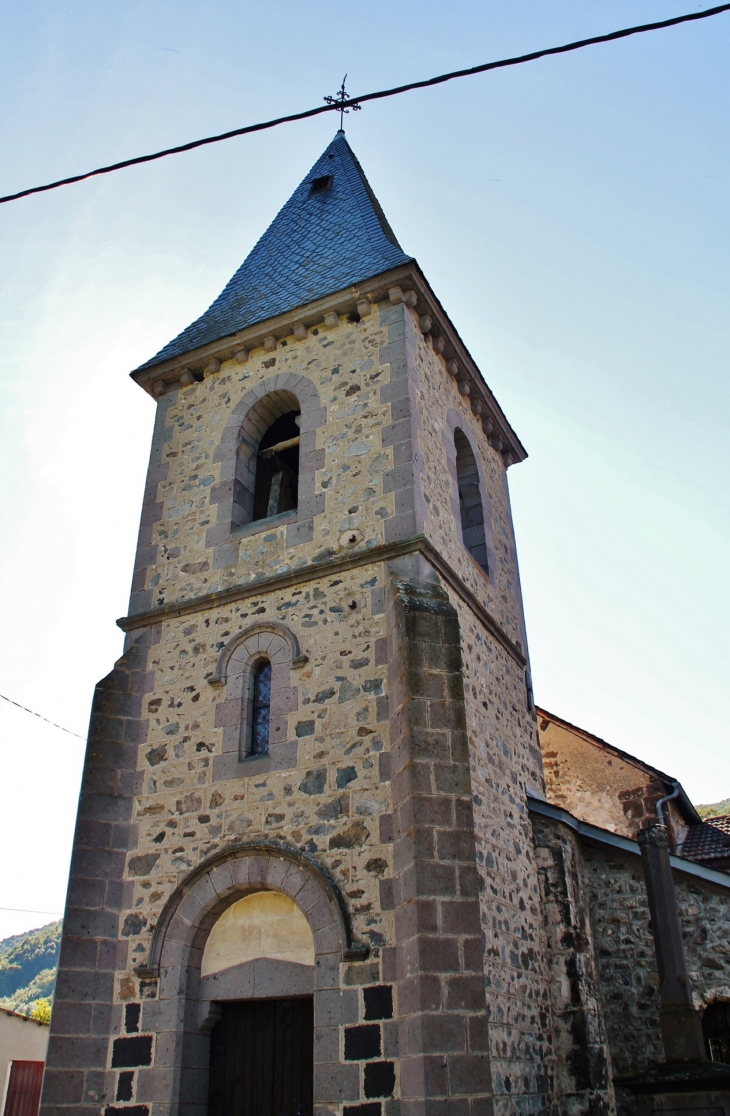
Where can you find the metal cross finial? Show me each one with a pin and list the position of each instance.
(342, 99)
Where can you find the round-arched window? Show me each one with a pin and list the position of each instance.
(261, 709)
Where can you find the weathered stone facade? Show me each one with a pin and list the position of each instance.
(627, 965)
(603, 961)
(456, 967)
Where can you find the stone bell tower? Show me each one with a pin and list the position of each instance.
(303, 876)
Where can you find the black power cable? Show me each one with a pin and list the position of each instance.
(336, 106)
(41, 718)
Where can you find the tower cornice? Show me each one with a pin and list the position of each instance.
(405, 284)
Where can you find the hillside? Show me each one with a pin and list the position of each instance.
(715, 809)
(28, 965)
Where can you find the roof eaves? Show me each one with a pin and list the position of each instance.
(606, 837)
(20, 1015)
(377, 288)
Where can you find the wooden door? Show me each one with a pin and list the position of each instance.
(24, 1088)
(262, 1059)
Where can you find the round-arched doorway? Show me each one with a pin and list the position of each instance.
(257, 971)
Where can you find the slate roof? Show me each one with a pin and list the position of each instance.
(707, 842)
(319, 243)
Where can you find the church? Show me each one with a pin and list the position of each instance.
(330, 860)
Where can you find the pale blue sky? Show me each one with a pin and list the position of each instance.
(570, 214)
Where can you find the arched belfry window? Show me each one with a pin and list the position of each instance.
(716, 1029)
(277, 468)
(260, 707)
(470, 501)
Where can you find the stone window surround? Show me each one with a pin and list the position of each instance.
(234, 673)
(237, 451)
(182, 1020)
(455, 421)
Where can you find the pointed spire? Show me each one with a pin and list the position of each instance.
(331, 234)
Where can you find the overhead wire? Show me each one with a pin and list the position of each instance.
(24, 910)
(336, 106)
(41, 718)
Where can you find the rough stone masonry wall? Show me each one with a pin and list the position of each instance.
(625, 950)
(357, 472)
(438, 409)
(594, 782)
(332, 800)
(329, 798)
(582, 1062)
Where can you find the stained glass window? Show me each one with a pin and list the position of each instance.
(261, 709)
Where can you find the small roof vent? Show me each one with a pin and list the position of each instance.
(322, 183)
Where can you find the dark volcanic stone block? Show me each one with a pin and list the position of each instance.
(379, 1079)
(378, 1002)
(135, 1051)
(362, 1042)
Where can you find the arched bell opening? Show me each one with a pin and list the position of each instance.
(277, 468)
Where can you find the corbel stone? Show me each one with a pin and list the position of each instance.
(439, 344)
(464, 388)
(508, 458)
(270, 343)
(241, 356)
(212, 367)
(187, 377)
(364, 308)
(496, 443)
(487, 425)
(452, 367)
(396, 294)
(159, 388)
(425, 323)
(476, 406)
(331, 319)
(301, 331)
